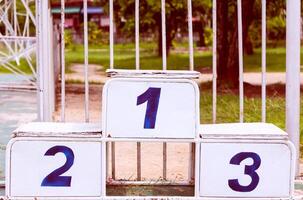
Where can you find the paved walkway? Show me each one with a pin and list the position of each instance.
(96, 75)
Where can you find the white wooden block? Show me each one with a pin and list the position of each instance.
(48, 167)
(253, 160)
(150, 108)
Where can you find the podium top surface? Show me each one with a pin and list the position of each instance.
(167, 74)
(50, 129)
(242, 131)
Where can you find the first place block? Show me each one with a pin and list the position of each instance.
(150, 108)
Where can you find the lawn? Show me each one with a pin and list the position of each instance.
(228, 110)
(178, 59)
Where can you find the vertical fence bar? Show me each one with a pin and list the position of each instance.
(15, 23)
(137, 23)
(164, 67)
(263, 60)
(164, 161)
(190, 35)
(27, 23)
(44, 67)
(293, 22)
(240, 41)
(113, 160)
(191, 68)
(62, 61)
(5, 5)
(111, 66)
(111, 34)
(86, 104)
(139, 177)
(214, 13)
(163, 17)
(38, 57)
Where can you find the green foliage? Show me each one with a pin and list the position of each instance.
(95, 35)
(208, 35)
(150, 16)
(68, 38)
(276, 27)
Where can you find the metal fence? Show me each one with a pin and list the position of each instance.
(46, 80)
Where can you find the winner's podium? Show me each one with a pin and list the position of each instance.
(54, 160)
(247, 160)
(67, 161)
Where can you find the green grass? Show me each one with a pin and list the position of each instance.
(23, 66)
(125, 58)
(177, 60)
(228, 110)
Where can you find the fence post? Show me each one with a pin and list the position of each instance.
(293, 20)
(45, 68)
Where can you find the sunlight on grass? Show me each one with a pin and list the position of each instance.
(124, 58)
(228, 110)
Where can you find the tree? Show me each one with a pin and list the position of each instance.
(227, 44)
(150, 17)
(203, 11)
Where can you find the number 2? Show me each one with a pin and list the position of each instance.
(55, 179)
(152, 96)
(249, 170)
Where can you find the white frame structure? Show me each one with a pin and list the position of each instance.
(17, 43)
(45, 65)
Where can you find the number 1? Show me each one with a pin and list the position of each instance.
(152, 96)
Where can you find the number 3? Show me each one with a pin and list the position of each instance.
(249, 170)
(55, 179)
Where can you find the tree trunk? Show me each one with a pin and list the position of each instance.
(248, 46)
(228, 67)
(200, 30)
(222, 40)
(160, 40)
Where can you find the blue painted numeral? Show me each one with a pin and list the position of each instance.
(152, 96)
(249, 170)
(55, 179)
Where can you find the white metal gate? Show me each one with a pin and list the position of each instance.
(293, 63)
